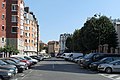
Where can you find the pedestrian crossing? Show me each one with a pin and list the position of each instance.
(111, 76)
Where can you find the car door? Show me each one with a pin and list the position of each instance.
(116, 66)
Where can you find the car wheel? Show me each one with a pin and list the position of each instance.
(27, 68)
(108, 70)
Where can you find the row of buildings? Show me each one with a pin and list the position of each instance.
(18, 26)
(58, 46)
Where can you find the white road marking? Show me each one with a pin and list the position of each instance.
(111, 76)
(26, 75)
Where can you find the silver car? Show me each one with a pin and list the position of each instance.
(113, 66)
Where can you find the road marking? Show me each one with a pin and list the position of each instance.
(111, 76)
(26, 75)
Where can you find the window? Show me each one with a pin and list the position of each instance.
(32, 41)
(26, 34)
(27, 28)
(14, 18)
(2, 40)
(2, 27)
(28, 22)
(25, 40)
(14, 29)
(3, 16)
(3, 5)
(14, 7)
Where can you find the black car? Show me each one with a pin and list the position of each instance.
(94, 65)
(93, 57)
(36, 57)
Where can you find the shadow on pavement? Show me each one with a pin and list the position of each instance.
(61, 66)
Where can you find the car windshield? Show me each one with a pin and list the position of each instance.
(28, 58)
(10, 62)
(21, 58)
(104, 59)
(15, 60)
(2, 62)
(88, 55)
(113, 62)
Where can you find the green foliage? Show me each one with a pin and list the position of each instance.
(69, 44)
(9, 49)
(95, 32)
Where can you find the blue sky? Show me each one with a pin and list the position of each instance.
(64, 16)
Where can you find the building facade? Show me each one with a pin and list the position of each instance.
(18, 27)
(62, 41)
(14, 22)
(2, 23)
(53, 47)
(30, 32)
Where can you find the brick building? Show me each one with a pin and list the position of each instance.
(12, 26)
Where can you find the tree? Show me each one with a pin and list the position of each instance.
(10, 50)
(75, 39)
(98, 31)
(69, 44)
(1, 49)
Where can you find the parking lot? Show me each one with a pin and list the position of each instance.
(59, 69)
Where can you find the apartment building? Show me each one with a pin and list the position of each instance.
(53, 47)
(14, 22)
(18, 27)
(2, 23)
(30, 32)
(62, 41)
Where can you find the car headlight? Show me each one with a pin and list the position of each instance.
(101, 66)
(94, 64)
(11, 70)
(9, 74)
(22, 67)
(87, 60)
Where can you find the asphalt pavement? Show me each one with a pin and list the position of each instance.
(58, 69)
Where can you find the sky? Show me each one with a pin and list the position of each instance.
(57, 17)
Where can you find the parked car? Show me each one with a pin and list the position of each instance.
(19, 67)
(5, 74)
(12, 68)
(113, 66)
(34, 61)
(66, 56)
(76, 59)
(94, 65)
(75, 55)
(41, 57)
(23, 65)
(23, 60)
(93, 57)
(59, 55)
(36, 57)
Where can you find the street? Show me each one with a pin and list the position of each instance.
(58, 69)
